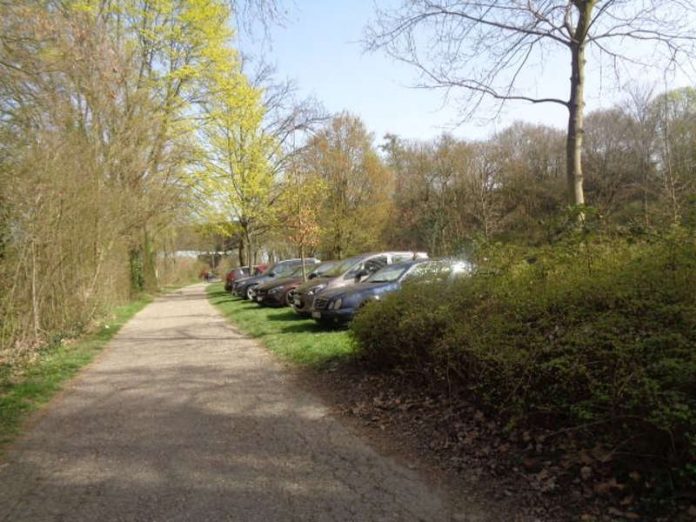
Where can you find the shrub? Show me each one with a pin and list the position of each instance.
(598, 333)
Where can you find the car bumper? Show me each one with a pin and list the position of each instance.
(270, 299)
(342, 315)
(302, 304)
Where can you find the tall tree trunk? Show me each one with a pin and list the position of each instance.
(135, 260)
(34, 294)
(242, 251)
(576, 104)
(150, 282)
(250, 250)
(302, 258)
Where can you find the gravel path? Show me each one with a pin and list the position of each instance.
(184, 418)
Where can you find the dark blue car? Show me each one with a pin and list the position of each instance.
(339, 305)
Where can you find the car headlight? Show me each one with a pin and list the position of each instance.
(337, 303)
(276, 290)
(315, 290)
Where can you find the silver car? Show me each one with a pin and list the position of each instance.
(348, 272)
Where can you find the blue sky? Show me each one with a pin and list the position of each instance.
(319, 47)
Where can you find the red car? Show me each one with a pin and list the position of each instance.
(240, 272)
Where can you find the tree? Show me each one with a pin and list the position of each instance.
(358, 186)
(252, 125)
(74, 172)
(299, 206)
(675, 129)
(485, 47)
(614, 163)
(236, 172)
(97, 104)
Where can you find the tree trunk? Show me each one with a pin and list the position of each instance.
(135, 259)
(250, 251)
(242, 251)
(302, 257)
(576, 105)
(150, 282)
(34, 294)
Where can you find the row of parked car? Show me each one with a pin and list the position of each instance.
(331, 292)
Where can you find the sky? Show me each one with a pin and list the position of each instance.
(319, 47)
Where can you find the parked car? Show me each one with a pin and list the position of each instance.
(279, 292)
(240, 272)
(339, 305)
(245, 288)
(235, 274)
(348, 272)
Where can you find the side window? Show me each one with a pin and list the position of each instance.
(286, 268)
(374, 264)
(353, 272)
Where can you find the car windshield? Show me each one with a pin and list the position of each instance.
(324, 268)
(297, 272)
(286, 269)
(387, 274)
(342, 267)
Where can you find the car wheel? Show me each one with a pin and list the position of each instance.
(289, 297)
(250, 293)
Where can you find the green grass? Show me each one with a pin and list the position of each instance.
(25, 389)
(293, 338)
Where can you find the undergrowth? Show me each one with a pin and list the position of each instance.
(595, 335)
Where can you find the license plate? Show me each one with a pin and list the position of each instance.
(259, 298)
(316, 315)
(297, 301)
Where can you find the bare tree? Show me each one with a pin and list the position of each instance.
(289, 120)
(487, 46)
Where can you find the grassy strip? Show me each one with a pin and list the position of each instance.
(25, 391)
(299, 340)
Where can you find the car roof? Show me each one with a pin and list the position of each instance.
(408, 263)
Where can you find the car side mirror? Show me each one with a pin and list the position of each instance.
(312, 275)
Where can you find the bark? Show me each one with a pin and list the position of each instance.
(576, 104)
(34, 296)
(150, 282)
(302, 260)
(250, 249)
(242, 252)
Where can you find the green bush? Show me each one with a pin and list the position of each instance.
(596, 332)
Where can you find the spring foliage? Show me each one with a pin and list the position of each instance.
(99, 102)
(595, 335)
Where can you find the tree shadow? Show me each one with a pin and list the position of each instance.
(204, 438)
(285, 315)
(306, 326)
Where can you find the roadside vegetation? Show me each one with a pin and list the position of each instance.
(285, 333)
(27, 383)
(589, 344)
(574, 361)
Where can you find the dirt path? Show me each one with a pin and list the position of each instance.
(183, 418)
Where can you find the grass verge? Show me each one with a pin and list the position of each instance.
(293, 338)
(24, 390)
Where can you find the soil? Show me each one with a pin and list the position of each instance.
(542, 475)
